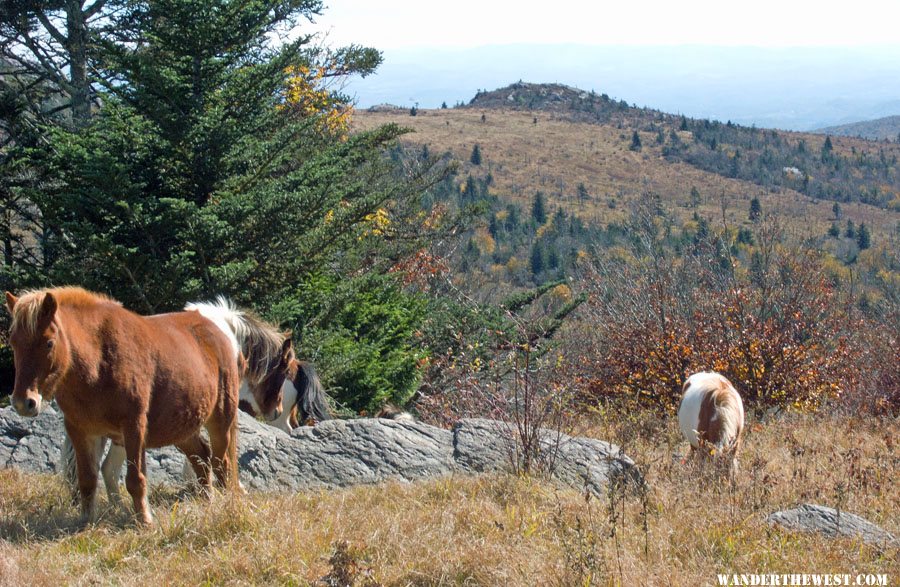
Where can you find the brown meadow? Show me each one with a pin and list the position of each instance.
(499, 530)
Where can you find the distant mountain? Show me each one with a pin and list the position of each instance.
(877, 130)
(788, 88)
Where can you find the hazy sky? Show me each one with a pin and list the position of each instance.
(470, 23)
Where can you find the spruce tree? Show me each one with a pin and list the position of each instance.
(538, 209)
(863, 237)
(536, 262)
(635, 142)
(475, 158)
(755, 210)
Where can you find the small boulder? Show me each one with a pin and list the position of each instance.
(832, 523)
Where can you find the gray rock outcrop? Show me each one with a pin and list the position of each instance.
(341, 453)
(829, 522)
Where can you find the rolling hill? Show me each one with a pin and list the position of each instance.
(553, 138)
(881, 129)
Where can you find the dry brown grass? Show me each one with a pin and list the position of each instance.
(490, 530)
(557, 154)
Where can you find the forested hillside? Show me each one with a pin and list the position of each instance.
(712, 219)
(187, 153)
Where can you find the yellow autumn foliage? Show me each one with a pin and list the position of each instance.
(305, 94)
(377, 222)
(485, 241)
(562, 293)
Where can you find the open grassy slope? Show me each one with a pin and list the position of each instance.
(559, 151)
(488, 531)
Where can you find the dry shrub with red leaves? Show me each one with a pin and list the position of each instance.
(773, 324)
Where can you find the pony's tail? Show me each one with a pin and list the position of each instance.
(311, 395)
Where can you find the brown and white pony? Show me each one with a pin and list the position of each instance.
(303, 398)
(711, 417)
(144, 381)
(266, 351)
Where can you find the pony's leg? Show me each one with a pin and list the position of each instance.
(112, 468)
(84, 449)
(69, 469)
(223, 430)
(136, 478)
(282, 422)
(197, 460)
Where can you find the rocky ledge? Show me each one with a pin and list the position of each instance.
(342, 453)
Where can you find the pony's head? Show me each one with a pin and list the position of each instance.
(267, 390)
(39, 349)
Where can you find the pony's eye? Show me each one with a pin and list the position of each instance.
(50, 344)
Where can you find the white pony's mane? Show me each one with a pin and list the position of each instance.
(259, 341)
(224, 314)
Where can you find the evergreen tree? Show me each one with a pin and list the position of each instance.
(695, 197)
(470, 191)
(215, 162)
(583, 195)
(827, 149)
(834, 231)
(443, 105)
(836, 210)
(552, 259)
(635, 142)
(863, 237)
(538, 209)
(702, 230)
(755, 210)
(850, 232)
(475, 159)
(536, 262)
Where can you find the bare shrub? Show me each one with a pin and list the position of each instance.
(771, 321)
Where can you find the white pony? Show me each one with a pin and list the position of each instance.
(711, 417)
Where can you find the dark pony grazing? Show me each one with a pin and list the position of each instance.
(711, 418)
(143, 381)
(392, 412)
(304, 399)
(264, 353)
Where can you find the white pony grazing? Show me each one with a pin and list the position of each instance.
(711, 417)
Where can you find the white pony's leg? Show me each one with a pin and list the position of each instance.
(288, 400)
(68, 467)
(112, 469)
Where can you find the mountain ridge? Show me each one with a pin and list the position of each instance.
(879, 129)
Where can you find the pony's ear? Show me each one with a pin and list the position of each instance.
(48, 309)
(11, 302)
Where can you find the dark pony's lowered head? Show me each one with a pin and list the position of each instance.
(266, 349)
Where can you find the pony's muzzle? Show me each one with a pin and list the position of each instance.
(28, 406)
(276, 413)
